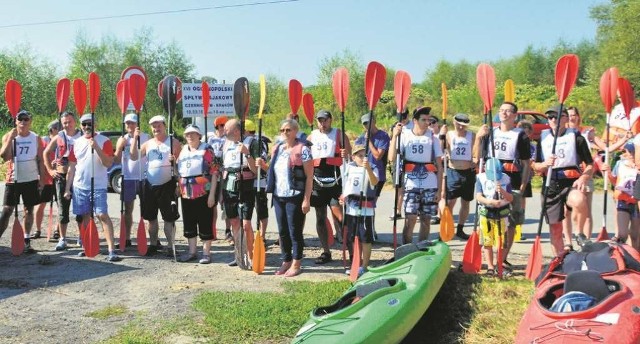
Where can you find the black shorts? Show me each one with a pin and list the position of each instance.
(527, 191)
(46, 195)
(322, 197)
(232, 204)
(557, 199)
(379, 187)
(28, 190)
(262, 205)
(197, 218)
(461, 183)
(364, 224)
(163, 198)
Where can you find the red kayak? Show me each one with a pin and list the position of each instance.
(591, 296)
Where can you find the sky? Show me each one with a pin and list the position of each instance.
(290, 39)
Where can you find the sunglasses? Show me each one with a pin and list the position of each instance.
(432, 121)
(24, 119)
(465, 121)
(86, 124)
(285, 130)
(365, 123)
(550, 117)
(322, 120)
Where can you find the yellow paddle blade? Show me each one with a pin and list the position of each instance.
(446, 225)
(258, 254)
(444, 101)
(263, 95)
(509, 91)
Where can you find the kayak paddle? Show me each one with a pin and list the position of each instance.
(446, 222)
(94, 95)
(241, 105)
(401, 91)
(138, 92)
(340, 86)
(63, 91)
(13, 97)
(80, 101)
(608, 92)
(122, 96)
(259, 254)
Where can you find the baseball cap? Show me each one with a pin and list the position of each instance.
(23, 113)
(249, 125)
(323, 114)
(86, 117)
(424, 110)
(556, 109)
(157, 118)
(55, 124)
(131, 117)
(461, 118)
(629, 146)
(192, 128)
(357, 148)
(221, 120)
(365, 118)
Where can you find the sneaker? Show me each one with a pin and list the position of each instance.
(127, 244)
(187, 257)
(113, 257)
(206, 259)
(36, 235)
(232, 263)
(435, 220)
(81, 254)
(397, 216)
(61, 246)
(462, 235)
(151, 250)
(28, 249)
(581, 239)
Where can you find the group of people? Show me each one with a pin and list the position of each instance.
(235, 169)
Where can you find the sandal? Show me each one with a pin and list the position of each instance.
(324, 258)
(490, 273)
(293, 272)
(568, 248)
(284, 268)
(35, 235)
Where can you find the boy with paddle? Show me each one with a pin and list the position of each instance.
(423, 172)
(86, 168)
(27, 159)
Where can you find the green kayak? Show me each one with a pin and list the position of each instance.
(386, 302)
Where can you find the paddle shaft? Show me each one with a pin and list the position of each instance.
(480, 169)
(174, 201)
(397, 180)
(496, 181)
(606, 177)
(258, 172)
(365, 182)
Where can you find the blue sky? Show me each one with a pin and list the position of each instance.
(290, 39)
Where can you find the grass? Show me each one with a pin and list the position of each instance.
(108, 312)
(468, 309)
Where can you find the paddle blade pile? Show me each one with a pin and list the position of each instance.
(609, 88)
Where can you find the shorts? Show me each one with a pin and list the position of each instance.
(527, 191)
(420, 202)
(629, 208)
(160, 197)
(365, 227)
(197, 218)
(28, 191)
(82, 201)
(64, 204)
(461, 183)
(232, 204)
(489, 230)
(46, 194)
(557, 199)
(262, 205)
(322, 197)
(131, 188)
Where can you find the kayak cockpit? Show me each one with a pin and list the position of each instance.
(581, 291)
(372, 290)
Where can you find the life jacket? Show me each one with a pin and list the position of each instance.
(26, 158)
(566, 165)
(625, 182)
(322, 144)
(194, 171)
(297, 178)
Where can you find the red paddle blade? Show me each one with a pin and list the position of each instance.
(341, 87)
(486, 81)
(295, 95)
(603, 235)
(94, 91)
(13, 96)
(141, 238)
(627, 97)
(472, 252)
(122, 95)
(137, 90)
(122, 240)
(307, 106)
(374, 80)
(17, 238)
(330, 239)
(534, 265)
(63, 90)
(609, 88)
(206, 98)
(355, 264)
(80, 95)
(401, 89)
(94, 240)
(566, 75)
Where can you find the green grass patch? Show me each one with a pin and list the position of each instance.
(108, 312)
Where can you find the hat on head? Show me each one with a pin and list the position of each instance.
(55, 124)
(23, 113)
(629, 146)
(192, 128)
(424, 110)
(249, 125)
(220, 120)
(357, 148)
(86, 117)
(493, 169)
(131, 117)
(461, 118)
(365, 118)
(157, 118)
(323, 114)
(556, 109)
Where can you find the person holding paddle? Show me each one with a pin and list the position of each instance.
(61, 146)
(568, 180)
(512, 147)
(91, 156)
(48, 191)
(216, 141)
(423, 173)
(328, 153)
(198, 181)
(290, 180)
(132, 182)
(30, 177)
(258, 150)
(159, 187)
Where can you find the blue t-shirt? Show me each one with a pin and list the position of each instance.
(381, 140)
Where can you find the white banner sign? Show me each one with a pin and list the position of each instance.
(221, 102)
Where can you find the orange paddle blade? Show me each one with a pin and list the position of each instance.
(472, 257)
(94, 240)
(446, 225)
(123, 234)
(355, 264)
(141, 238)
(500, 255)
(603, 235)
(330, 240)
(250, 243)
(17, 238)
(534, 265)
(258, 254)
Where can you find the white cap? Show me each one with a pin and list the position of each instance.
(130, 117)
(86, 117)
(192, 129)
(158, 118)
